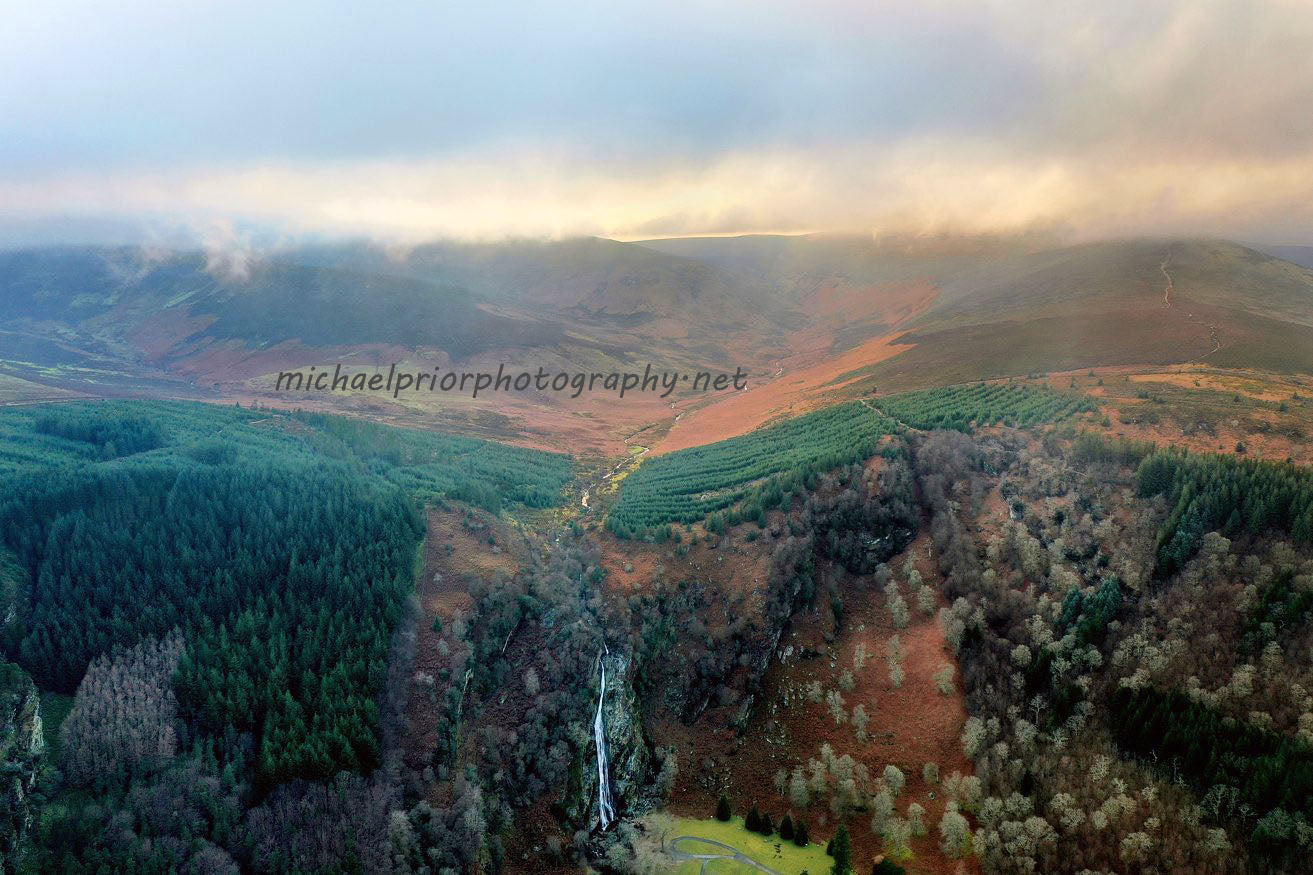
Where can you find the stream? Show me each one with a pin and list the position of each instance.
(615, 470)
(605, 804)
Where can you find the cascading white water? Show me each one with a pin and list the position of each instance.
(605, 805)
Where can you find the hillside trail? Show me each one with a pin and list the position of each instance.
(1170, 287)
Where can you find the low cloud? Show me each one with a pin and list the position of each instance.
(920, 187)
(228, 252)
(946, 116)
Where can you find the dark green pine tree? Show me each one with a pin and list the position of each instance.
(786, 827)
(753, 821)
(723, 812)
(800, 837)
(842, 851)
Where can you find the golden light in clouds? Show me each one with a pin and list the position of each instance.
(917, 187)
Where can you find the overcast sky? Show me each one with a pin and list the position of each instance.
(491, 119)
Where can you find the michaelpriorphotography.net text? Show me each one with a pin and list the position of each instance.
(398, 380)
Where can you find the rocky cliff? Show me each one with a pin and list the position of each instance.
(630, 758)
(21, 747)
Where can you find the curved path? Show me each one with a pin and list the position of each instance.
(731, 853)
(1189, 317)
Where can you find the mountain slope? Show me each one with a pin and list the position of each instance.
(1002, 308)
(1133, 302)
(807, 317)
(1120, 275)
(447, 296)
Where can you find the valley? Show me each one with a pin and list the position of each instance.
(648, 438)
(832, 317)
(892, 594)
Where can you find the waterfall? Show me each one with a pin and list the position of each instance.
(605, 805)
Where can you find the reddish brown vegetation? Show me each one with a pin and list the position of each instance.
(908, 728)
(453, 551)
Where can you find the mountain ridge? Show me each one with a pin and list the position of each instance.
(838, 315)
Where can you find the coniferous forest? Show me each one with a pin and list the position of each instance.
(225, 584)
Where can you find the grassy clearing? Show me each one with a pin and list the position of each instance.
(1199, 406)
(774, 852)
(54, 710)
(14, 388)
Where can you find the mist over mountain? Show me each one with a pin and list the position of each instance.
(680, 298)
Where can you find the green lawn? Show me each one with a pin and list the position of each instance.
(782, 856)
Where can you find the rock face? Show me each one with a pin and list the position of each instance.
(630, 758)
(21, 747)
